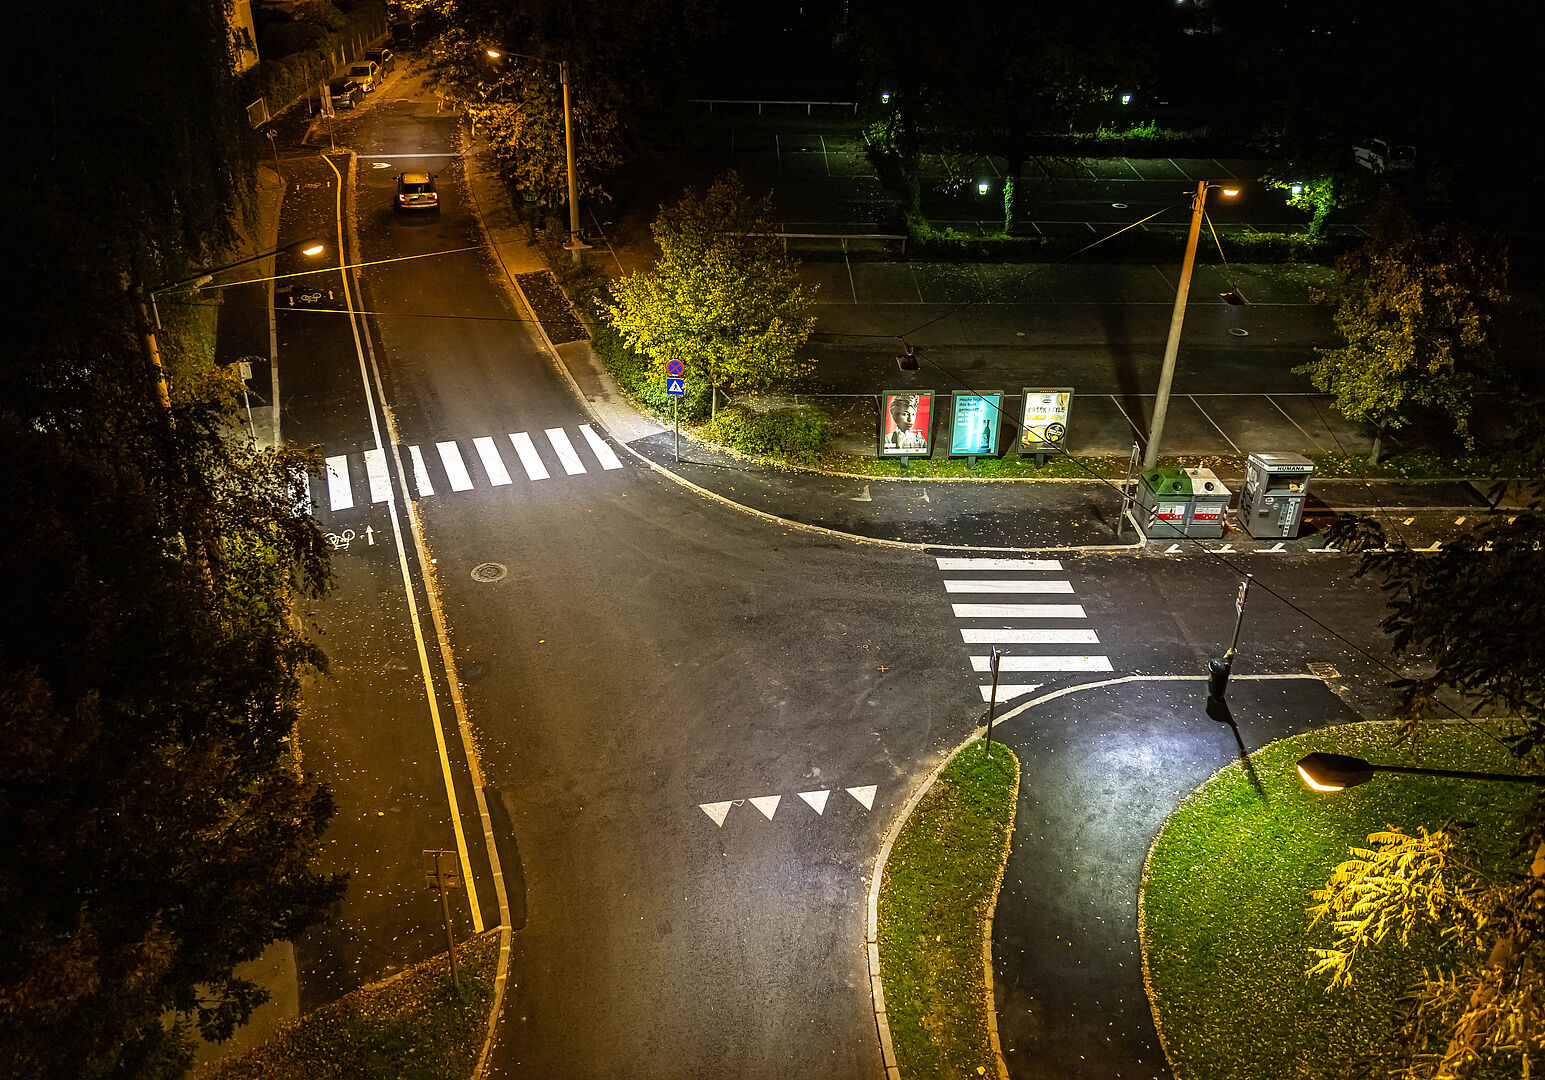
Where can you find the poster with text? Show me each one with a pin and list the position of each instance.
(906, 423)
(975, 428)
(1043, 425)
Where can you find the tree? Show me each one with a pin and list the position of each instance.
(1471, 613)
(723, 298)
(1415, 307)
(155, 827)
(1319, 192)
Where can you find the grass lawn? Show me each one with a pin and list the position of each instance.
(940, 882)
(1225, 929)
(412, 1027)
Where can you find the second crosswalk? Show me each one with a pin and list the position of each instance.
(1016, 606)
(447, 467)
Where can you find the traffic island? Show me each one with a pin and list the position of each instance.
(412, 1026)
(938, 888)
(1223, 908)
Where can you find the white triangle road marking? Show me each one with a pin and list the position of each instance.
(816, 799)
(716, 810)
(767, 804)
(1172, 549)
(864, 795)
(865, 497)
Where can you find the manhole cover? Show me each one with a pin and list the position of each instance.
(489, 571)
(380, 164)
(1238, 331)
(1321, 670)
(1118, 206)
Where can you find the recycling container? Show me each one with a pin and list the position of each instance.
(1276, 485)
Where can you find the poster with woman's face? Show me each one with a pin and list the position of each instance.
(975, 430)
(906, 423)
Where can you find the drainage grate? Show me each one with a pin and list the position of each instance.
(1321, 670)
(489, 571)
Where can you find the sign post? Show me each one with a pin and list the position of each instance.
(675, 386)
(992, 700)
(442, 874)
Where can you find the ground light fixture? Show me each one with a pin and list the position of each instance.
(983, 187)
(1337, 772)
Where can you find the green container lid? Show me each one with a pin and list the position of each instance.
(1167, 480)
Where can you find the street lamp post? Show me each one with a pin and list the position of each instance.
(1177, 319)
(1337, 772)
(148, 315)
(576, 245)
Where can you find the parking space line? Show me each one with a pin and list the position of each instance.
(824, 158)
(1123, 413)
(1132, 167)
(1178, 169)
(853, 285)
(1317, 444)
(1213, 422)
(1220, 166)
(778, 150)
(1167, 283)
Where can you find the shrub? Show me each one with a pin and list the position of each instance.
(799, 435)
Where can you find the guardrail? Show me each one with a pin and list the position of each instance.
(809, 105)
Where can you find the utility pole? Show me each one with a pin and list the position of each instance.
(1177, 319)
(575, 245)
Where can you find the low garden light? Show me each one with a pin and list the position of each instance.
(885, 97)
(983, 187)
(1126, 99)
(1337, 772)
(1297, 190)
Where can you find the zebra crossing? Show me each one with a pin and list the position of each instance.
(444, 466)
(1040, 636)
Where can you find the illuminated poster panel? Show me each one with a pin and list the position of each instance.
(906, 423)
(974, 431)
(1043, 423)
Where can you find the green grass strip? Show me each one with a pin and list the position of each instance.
(1225, 929)
(410, 1027)
(940, 882)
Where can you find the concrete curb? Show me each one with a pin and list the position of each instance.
(872, 917)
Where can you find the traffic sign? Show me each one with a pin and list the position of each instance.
(673, 369)
(675, 387)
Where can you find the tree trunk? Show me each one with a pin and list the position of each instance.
(1014, 167)
(1378, 445)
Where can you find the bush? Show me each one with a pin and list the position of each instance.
(799, 435)
(925, 241)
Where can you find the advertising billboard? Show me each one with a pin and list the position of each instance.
(974, 430)
(906, 423)
(1043, 420)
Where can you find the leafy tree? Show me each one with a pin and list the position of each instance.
(723, 298)
(155, 828)
(1318, 194)
(1414, 307)
(1470, 612)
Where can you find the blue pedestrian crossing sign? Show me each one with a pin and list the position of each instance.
(673, 369)
(675, 387)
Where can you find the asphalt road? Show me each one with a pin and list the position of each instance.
(694, 725)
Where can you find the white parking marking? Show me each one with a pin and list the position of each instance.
(999, 564)
(1033, 636)
(1008, 690)
(493, 464)
(1042, 663)
(1019, 611)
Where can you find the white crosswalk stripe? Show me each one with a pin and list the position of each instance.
(1010, 626)
(451, 462)
(565, 450)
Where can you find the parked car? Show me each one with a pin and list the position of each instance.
(383, 60)
(365, 73)
(1382, 156)
(344, 92)
(416, 191)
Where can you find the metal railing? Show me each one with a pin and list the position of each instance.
(760, 104)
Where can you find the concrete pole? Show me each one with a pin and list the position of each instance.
(1177, 318)
(568, 145)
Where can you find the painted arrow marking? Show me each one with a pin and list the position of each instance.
(1224, 550)
(1274, 549)
(1172, 549)
(864, 795)
(865, 497)
(767, 804)
(716, 810)
(816, 799)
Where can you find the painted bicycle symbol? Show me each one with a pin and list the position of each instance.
(341, 540)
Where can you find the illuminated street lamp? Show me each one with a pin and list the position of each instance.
(1177, 318)
(575, 244)
(150, 315)
(1337, 772)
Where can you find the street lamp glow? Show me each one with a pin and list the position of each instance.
(983, 187)
(1230, 191)
(1336, 772)
(1297, 190)
(1126, 99)
(312, 249)
(885, 97)
(494, 54)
